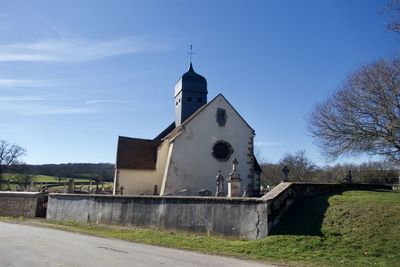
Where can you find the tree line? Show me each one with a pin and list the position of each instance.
(302, 169)
(94, 171)
(23, 174)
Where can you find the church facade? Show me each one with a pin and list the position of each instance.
(187, 156)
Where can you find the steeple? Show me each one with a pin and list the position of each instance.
(190, 94)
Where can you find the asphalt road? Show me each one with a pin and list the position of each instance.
(23, 245)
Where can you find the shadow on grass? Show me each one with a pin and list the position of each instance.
(304, 217)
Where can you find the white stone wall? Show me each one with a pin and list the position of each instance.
(244, 218)
(192, 165)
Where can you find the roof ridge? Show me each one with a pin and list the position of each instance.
(138, 139)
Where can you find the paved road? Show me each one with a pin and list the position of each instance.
(23, 245)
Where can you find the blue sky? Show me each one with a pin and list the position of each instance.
(76, 74)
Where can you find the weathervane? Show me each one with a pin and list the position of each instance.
(190, 53)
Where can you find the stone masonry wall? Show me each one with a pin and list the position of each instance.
(24, 204)
(283, 195)
(244, 218)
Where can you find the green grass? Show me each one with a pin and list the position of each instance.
(51, 179)
(355, 228)
(46, 178)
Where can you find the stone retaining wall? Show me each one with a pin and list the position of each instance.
(21, 204)
(283, 195)
(244, 218)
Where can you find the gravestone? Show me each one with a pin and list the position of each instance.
(155, 191)
(205, 193)
(220, 192)
(234, 181)
(71, 186)
(285, 171)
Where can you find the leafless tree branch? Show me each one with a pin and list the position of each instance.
(9, 155)
(363, 116)
(393, 11)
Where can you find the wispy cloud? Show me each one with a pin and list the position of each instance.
(99, 101)
(52, 110)
(41, 105)
(24, 83)
(264, 144)
(75, 50)
(8, 99)
(33, 109)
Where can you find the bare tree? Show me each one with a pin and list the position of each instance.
(10, 154)
(300, 167)
(363, 116)
(271, 174)
(393, 11)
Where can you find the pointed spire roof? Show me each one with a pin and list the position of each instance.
(191, 67)
(193, 82)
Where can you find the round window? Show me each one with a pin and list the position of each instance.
(222, 150)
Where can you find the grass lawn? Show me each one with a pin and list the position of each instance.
(46, 178)
(354, 228)
(51, 179)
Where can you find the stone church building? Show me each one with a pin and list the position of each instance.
(186, 157)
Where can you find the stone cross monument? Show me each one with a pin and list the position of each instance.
(234, 181)
(220, 192)
(285, 171)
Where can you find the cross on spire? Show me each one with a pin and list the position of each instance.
(190, 53)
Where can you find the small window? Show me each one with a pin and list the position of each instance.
(190, 99)
(199, 100)
(221, 116)
(179, 100)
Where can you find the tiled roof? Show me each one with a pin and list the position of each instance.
(134, 153)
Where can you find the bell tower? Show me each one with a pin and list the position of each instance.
(190, 95)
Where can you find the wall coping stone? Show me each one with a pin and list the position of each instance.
(276, 191)
(20, 193)
(194, 198)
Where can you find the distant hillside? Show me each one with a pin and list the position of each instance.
(103, 171)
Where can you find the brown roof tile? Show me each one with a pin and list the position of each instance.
(135, 153)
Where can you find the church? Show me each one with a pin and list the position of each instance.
(191, 154)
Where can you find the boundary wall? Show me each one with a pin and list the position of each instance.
(283, 195)
(245, 218)
(21, 204)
